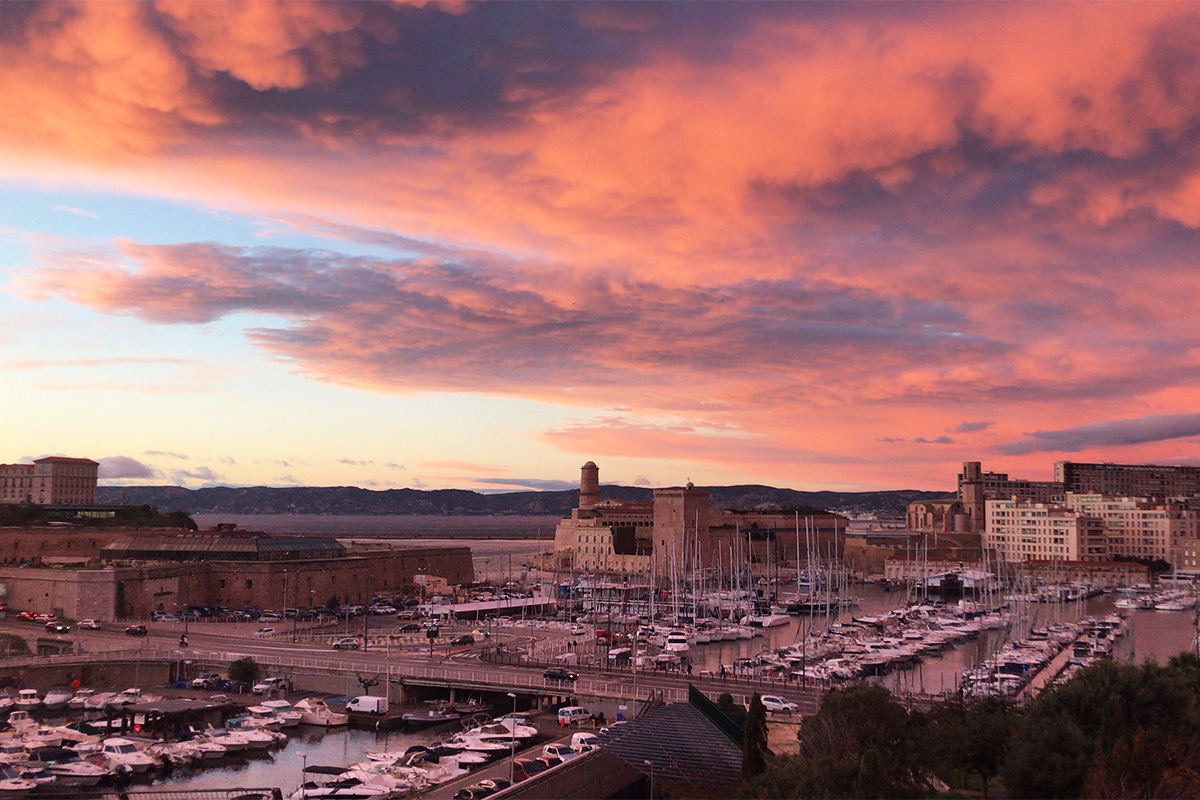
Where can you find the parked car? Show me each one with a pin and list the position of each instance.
(778, 705)
(496, 784)
(137, 630)
(526, 768)
(211, 680)
(411, 627)
(270, 618)
(476, 792)
(264, 633)
(57, 627)
(560, 674)
(465, 638)
(169, 618)
(563, 752)
(89, 624)
(549, 761)
(266, 685)
(348, 643)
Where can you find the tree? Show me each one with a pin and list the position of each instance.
(971, 736)
(1114, 720)
(754, 743)
(244, 670)
(735, 711)
(860, 743)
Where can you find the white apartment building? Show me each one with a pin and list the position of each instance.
(1088, 527)
(1018, 530)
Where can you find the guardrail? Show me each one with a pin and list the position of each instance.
(616, 684)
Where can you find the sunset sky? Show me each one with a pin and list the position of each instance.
(813, 245)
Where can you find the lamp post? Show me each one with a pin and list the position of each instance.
(651, 766)
(512, 746)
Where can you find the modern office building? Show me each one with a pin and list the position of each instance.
(1151, 481)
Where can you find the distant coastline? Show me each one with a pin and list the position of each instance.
(346, 501)
(391, 526)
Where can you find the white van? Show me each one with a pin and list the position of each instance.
(573, 715)
(583, 741)
(368, 704)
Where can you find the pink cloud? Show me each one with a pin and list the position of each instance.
(799, 229)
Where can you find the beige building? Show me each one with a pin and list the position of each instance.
(1018, 530)
(1138, 528)
(1088, 527)
(55, 480)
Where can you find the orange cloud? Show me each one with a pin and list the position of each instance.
(799, 229)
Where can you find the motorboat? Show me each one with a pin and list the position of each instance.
(481, 744)
(98, 700)
(35, 771)
(80, 698)
(336, 785)
(12, 751)
(12, 784)
(68, 768)
(28, 699)
(315, 712)
(126, 698)
(288, 716)
(22, 723)
(504, 729)
(206, 749)
(6, 703)
(677, 641)
(432, 716)
(57, 698)
(255, 736)
(227, 739)
(124, 757)
(263, 717)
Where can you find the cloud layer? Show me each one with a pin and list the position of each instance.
(769, 233)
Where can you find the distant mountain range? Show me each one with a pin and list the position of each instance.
(351, 500)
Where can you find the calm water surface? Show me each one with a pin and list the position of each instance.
(282, 768)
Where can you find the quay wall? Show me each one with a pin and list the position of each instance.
(114, 674)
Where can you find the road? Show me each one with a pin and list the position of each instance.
(408, 657)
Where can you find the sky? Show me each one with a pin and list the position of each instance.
(473, 245)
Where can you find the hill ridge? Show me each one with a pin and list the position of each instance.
(354, 500)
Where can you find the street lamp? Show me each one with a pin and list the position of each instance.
(512, 745)
(651, 766)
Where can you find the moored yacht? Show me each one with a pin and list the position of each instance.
(124, 757)
(68, 768)
(80, 697)
(288, 716)
(57, 698)
(315, 712)
(12, 784)
(676, 641)
(28, 699)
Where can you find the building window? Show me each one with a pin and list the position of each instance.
(221, 583)
(249, 584)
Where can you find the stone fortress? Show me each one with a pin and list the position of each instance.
(678, 530)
